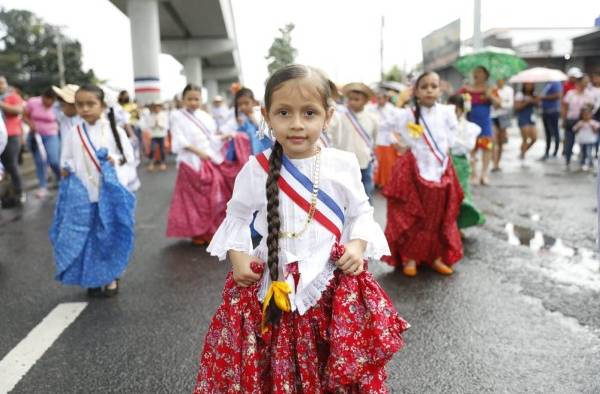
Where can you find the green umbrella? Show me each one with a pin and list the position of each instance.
(500, 62)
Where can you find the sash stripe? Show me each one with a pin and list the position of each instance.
(197, 122)
(359, 129)
(92, 157)
(301, 202)
(442, 155)
(304, 181)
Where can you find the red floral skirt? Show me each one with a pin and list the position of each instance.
(199, 201)
(421, 215)
(339, 345)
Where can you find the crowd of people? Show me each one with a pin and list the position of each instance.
(283, 189)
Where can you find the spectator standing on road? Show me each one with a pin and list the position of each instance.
(43, 138)
(482, 99)
(93, 228)
(525, 104)
(586, 136)
(424, 194)
(157, 123)
(3, 141)
(572, 104)
(302, 300)
(501, 119)
(550, 100)
(11, 106)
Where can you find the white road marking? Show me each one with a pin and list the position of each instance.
(20, 359)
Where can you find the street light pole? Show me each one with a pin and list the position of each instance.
(381, 49)
(477, 39)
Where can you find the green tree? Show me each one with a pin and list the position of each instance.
(281, 52)
(395, 74)
(28, 53)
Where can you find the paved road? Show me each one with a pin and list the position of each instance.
(513, 319)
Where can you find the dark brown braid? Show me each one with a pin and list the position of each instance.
(274, 224)
(415, 99)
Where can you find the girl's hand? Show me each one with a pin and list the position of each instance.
(64, 173)
(111, 160)
(243, 275)
(352, 261)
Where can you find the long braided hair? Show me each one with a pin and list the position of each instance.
(321, 83)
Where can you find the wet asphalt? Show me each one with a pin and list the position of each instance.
(512, 319)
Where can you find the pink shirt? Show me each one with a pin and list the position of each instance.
(576, 101)
(43, 119)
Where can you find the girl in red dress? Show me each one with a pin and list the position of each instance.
(424, 193)
(300, 312)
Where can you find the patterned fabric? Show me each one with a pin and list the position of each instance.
(236, 152)
(469, 214)
(339, 345)
(421, 215)
(93, 241)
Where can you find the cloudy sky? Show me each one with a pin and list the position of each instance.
(339, 36)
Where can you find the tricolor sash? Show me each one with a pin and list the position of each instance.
(325, 140)
(86, 147)
(433, 146)
(298, 187)
(362, 133)
(197, 122)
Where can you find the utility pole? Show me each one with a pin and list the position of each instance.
(477, 38)
(381, 49)
(61, 60)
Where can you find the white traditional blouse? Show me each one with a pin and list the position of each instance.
(441, 124)
(388, 123)
(75, 157)
(340, 178)
(197, 129)
(466, 137)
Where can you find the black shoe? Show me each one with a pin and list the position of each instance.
(11, 202)
(111, 292)
(95, 292)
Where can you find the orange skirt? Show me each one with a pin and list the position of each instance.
(386, 156)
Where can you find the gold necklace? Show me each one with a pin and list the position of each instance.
(313, 200)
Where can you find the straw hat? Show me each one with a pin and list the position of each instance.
(67, 93)
(358, 87)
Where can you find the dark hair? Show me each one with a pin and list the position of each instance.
(243, 92)
(49, 93)
(485, 71)
(530, 91)
(415, 99)
(90, 88)
(190, 87)
(458, 101)
(284, 74)
(122, 95)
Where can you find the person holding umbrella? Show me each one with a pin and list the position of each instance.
(482, 99)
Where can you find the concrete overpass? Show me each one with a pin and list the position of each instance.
(200, 34)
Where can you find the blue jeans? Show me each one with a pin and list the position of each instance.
(550, 120)
(367, 179)
(586, 154)
(52, 146)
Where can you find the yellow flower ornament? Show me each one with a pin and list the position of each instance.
(415, 130)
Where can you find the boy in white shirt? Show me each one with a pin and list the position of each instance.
(157, 123)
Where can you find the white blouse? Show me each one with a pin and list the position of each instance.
(75, 157)
(442, 123)
(388, 123)
(466, 137)
(340, 178)
(185, 133)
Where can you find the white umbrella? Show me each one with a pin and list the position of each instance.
(539, 74)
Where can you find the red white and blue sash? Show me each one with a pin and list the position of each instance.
(197, 122)
(433, 146)
(298, 188)
(88, 141)
(325, 140)
(362, 133)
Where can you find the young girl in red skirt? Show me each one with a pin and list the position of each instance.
(300, 312)
(424, 193)
(204, 180)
